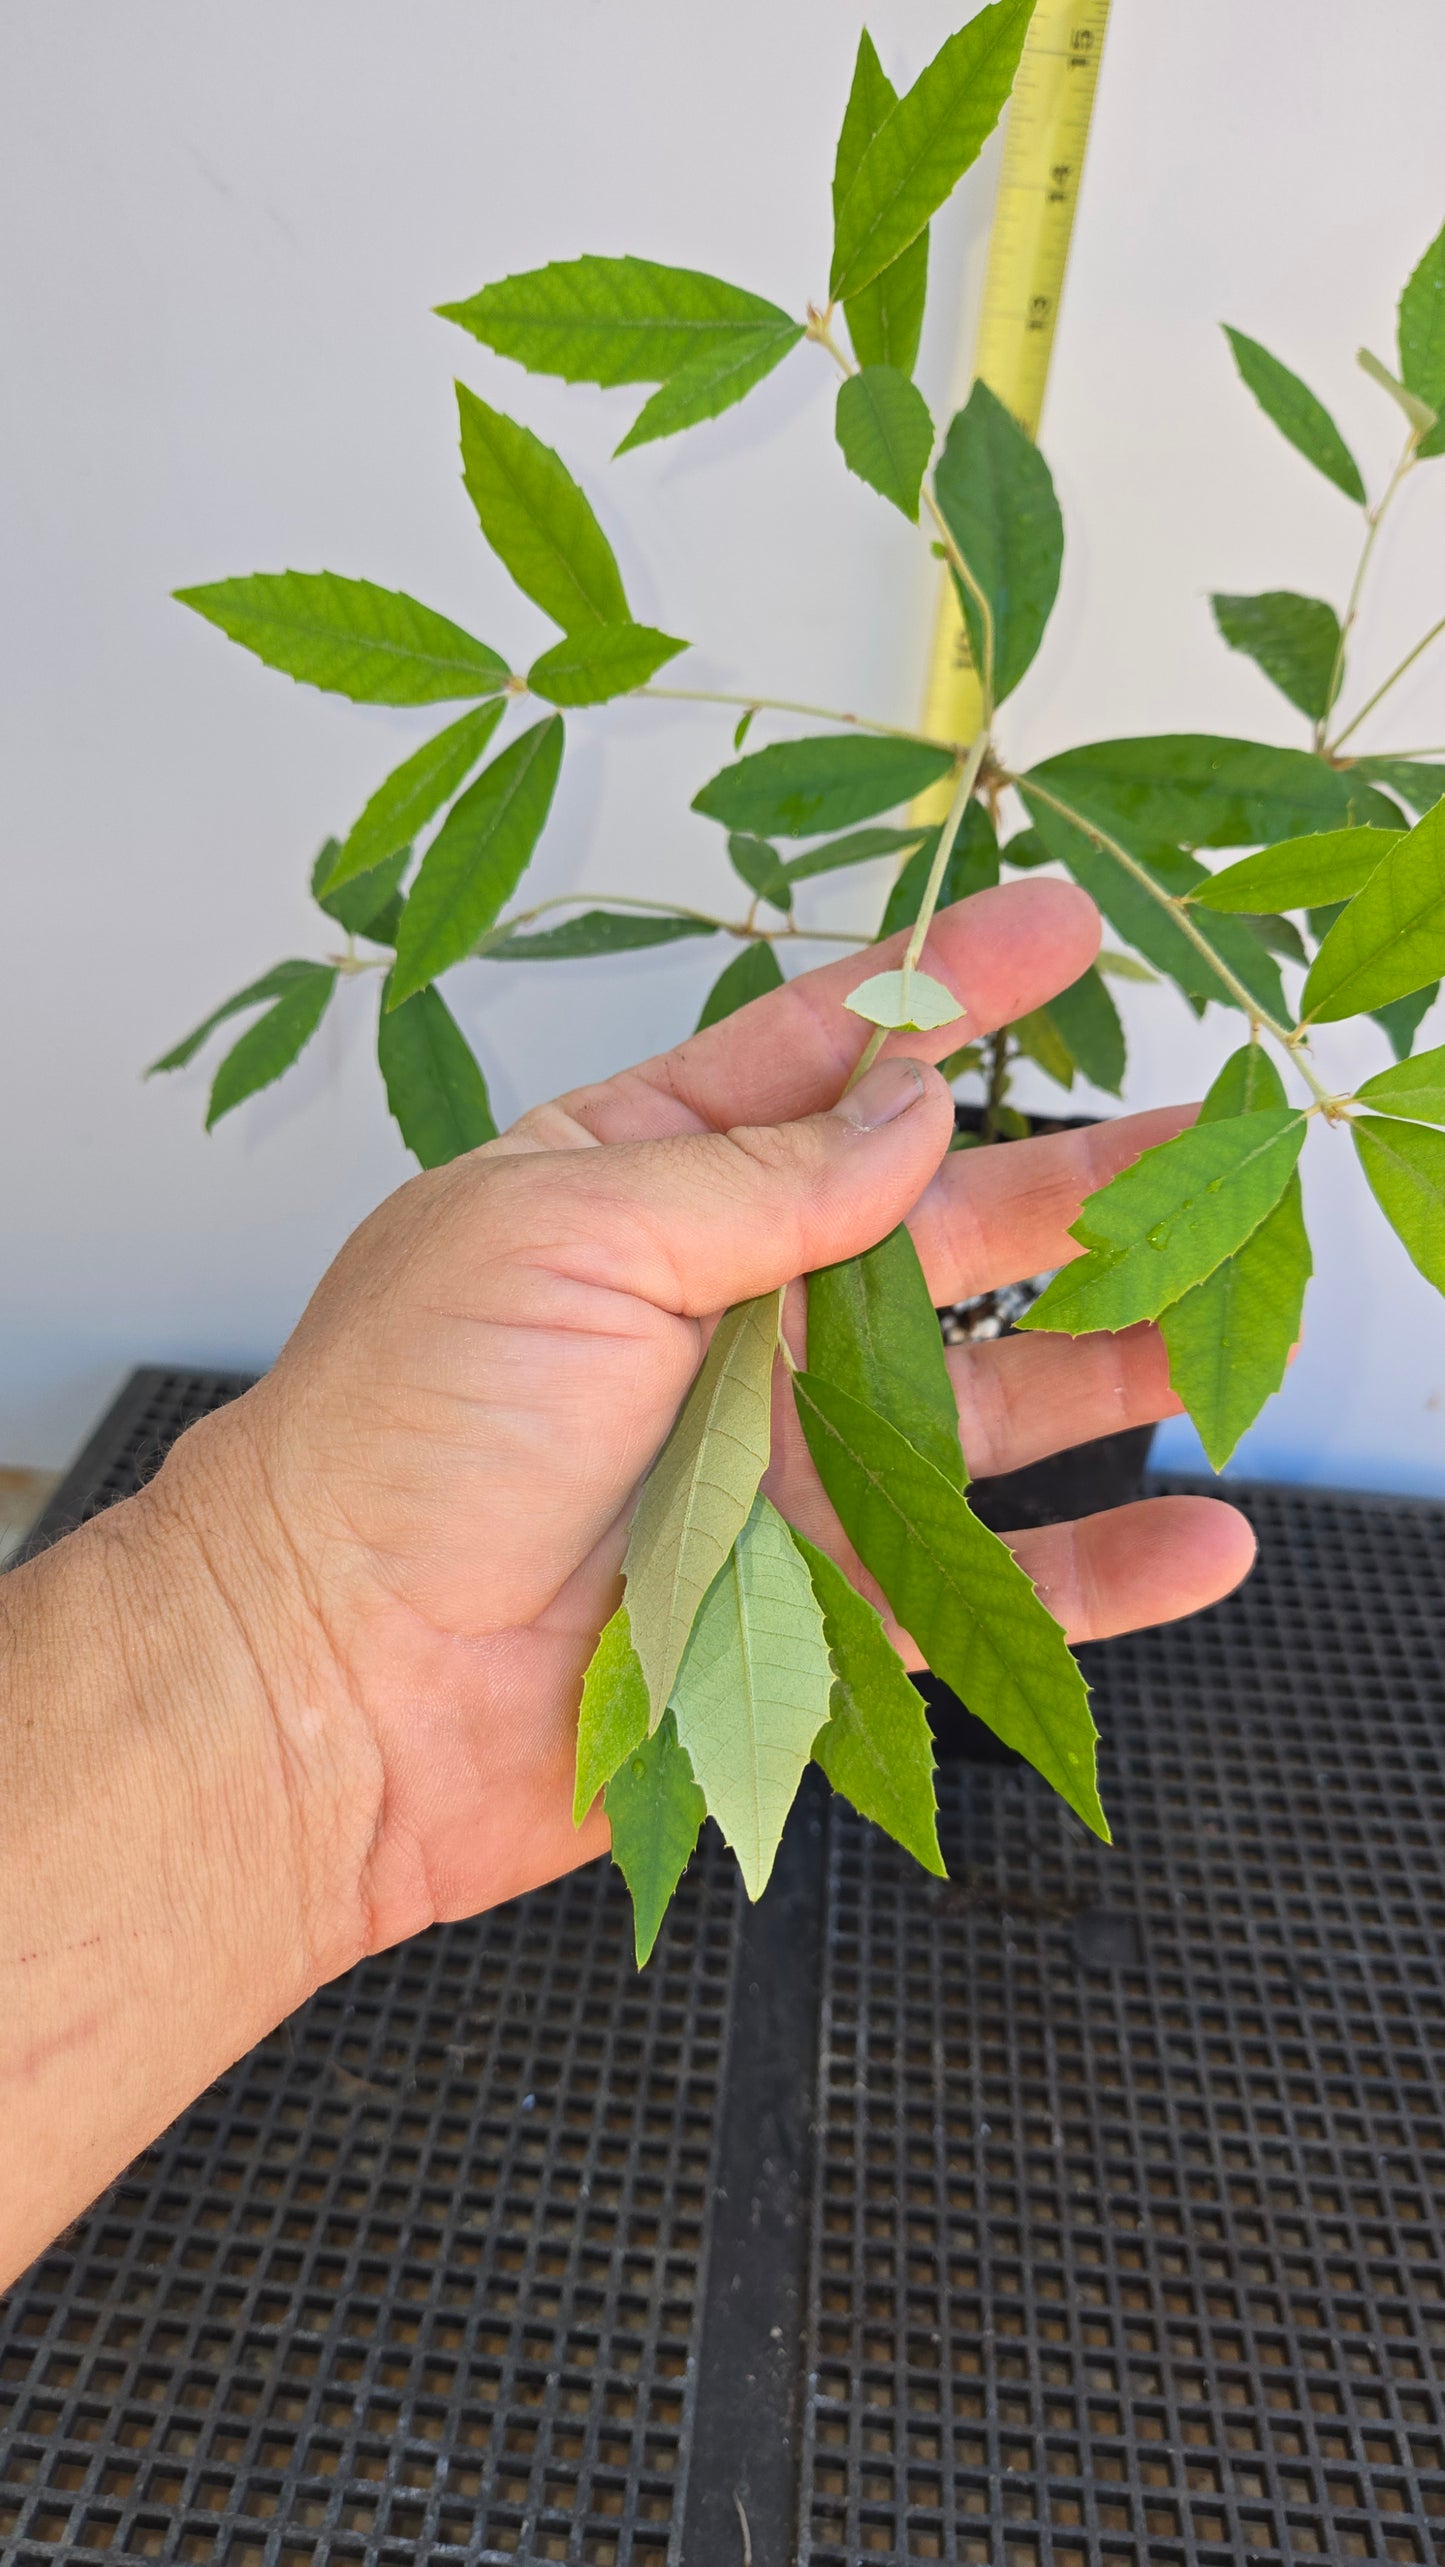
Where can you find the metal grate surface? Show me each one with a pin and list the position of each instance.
(1121, 2236)
(1128, 2215)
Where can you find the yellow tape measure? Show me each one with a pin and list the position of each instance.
(1043, 160)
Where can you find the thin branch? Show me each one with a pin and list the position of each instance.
(741, 928)
(1408, 661)
(957, 563)
(784, 704)
(1374, 519)
(962, 796)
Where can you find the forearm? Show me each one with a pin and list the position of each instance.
(164, 1869)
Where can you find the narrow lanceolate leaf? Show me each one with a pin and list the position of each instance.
(1295, 640)
(1391, 938)
(596, 931)
(997, 496)
(921, 150)
(885, 317)
(761, 867)
(873, 1331)
(370, 905)
(413, 794)
(537, 521)
(886, 434)
(1170, 1219)
(434, 1083)
(655, 1812)
(711, 383)
(972, 866)
(1297, 414)
(1194, 790)
(799, 788)
(957, 1589)
(279, 982)
(877, 1748)
(754, 1690)
(612, 1722)
(1405, 1164)
(1419, 785)
(1299, 873)
(612, 320)
(859, 847)
(1422, 338)
(908, 1002)
(1420, 414)
(1403, 1018)
(273, 1043)
(699, 1493)
(376, 645)
(477, 857)
(751, 974)
(1414, 1088)
(1229, 1340)
(1088, 1022)
(601, 661)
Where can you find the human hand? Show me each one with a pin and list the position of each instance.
(430, 1493)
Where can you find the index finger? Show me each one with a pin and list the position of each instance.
(1003, 953)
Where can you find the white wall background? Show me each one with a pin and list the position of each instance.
(221, 231)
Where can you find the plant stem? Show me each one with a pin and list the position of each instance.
(1290, 1037)
(1374, 519)
(742, 928)
(958, 564)
(998, 1071)
(962, 796)
(1408, 661)
(783, 704)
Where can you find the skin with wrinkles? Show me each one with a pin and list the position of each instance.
(317, 1686)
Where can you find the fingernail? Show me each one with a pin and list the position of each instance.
(887, 1091)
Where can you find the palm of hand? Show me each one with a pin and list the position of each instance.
(499, 1354)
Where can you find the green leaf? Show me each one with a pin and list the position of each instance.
(1124, 967)
(376, 645)
(751, 974)
(596, 931)
(997, 495)
(1169, 1220)
(477, 858)
(909, 1002)
(1421, 414)
(601, 661)
(885, 318)
(957, 1589)
(273, 1043)
(412, 794)
(1297, 414)
(712, 383)
(762, 869)
(1391, 938)
(279, 982)
(1191, 789)
(1085, 1017)
(1405, 1165)
(886, 434)
(612, 320)
(1298, 873)
(1025, 849)
(877, 1748)
(537, 521)
(1249, 1083)
(1043, 1044)
(1422, 337)
(655, 1812)
(1293, 639)
(1414, 1088)
(367, 906)
(972, 866)
(612, 1722)
(745, 724)
(754, 1690)
(798, 788)
(1229, 1340)
(858, 848)
(699, 1493)
(1136, 916)
(434, 1084)
(1421, 786)
(921, 150)
(1402, 1019)
(873, 1331)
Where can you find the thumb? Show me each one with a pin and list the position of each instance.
(704, 1219)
